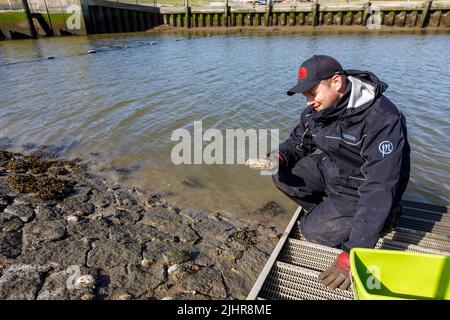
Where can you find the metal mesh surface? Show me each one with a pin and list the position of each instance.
(425, 225)
(425, 206)
(286, 281)
(401, 246)
(422, 228)
(308, 255)
(428, 215)
(421, 239)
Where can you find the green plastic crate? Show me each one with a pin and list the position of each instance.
(389, 274)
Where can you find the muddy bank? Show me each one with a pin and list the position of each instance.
(67, 234)
(303, 30)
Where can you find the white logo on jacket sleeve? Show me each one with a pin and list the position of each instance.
(385, 147)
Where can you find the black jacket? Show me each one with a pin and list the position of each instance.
(363, 137)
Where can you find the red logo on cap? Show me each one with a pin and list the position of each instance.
(302, 73)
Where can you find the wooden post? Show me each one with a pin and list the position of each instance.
(179, 20)
(316, 13)
(292, 17)
(49, 18)
(268, 12)
(195, 20)
(188, 13)
(301, 18)
(413, 18)
(215, 20)
(425, 16)
(282, 19)
(338, 18)
(226, 14)
(26, 7)
(366, 13)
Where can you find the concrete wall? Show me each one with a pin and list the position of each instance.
(112, 17)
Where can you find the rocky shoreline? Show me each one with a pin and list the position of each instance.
(65, 233)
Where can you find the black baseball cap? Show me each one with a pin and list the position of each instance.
(313, 70)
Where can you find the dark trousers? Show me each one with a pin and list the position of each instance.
(331, 205)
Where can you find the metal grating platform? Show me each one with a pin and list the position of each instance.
(308, 255)
(299, 283)
(292, 270)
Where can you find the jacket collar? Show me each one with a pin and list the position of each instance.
(362, 89)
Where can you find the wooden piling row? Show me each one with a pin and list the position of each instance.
(397, 18)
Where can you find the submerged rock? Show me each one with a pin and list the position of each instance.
(193, 183)
(170, 223)
(270, 208)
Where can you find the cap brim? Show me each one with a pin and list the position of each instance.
(302, 87)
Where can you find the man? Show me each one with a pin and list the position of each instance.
(350, 189)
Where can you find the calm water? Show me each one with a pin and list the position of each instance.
(118, 107)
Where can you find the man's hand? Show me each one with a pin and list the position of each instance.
(338, 275)
(276, 156)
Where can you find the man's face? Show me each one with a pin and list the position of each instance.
(323, 95)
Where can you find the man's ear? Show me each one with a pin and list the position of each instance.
(339, 82)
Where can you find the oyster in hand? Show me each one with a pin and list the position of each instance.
(261, 164)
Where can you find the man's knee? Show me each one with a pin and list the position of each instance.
(276, 181)
(331, 233)
(297, 188)
(282, 186)
(311, 231)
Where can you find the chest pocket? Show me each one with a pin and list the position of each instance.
(332, 139)
(345, 143)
